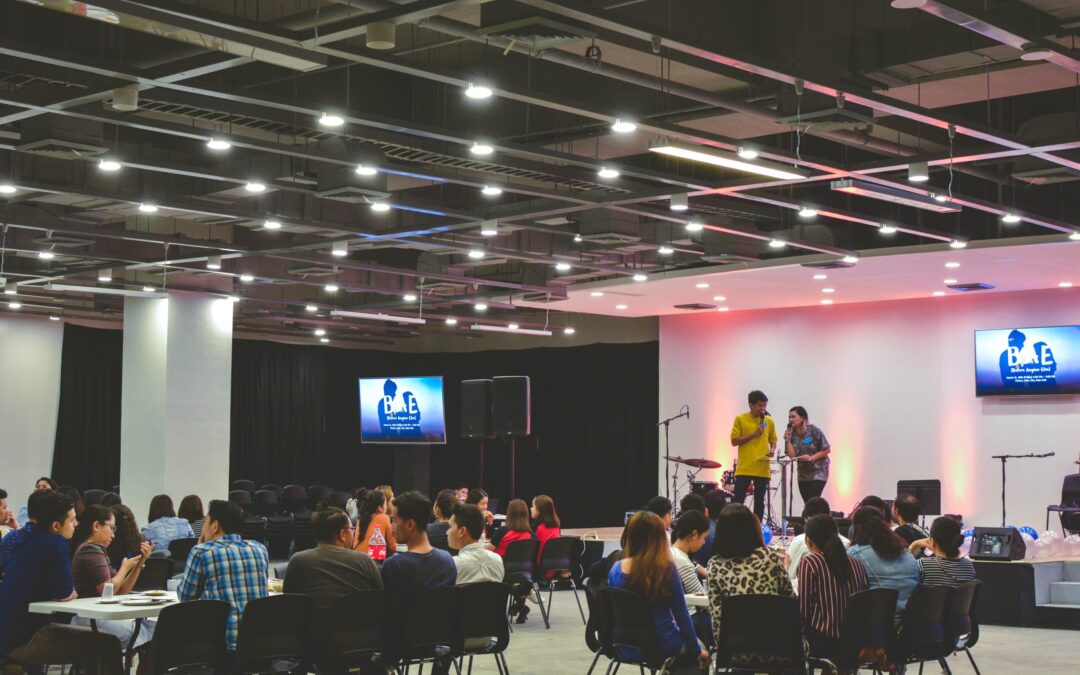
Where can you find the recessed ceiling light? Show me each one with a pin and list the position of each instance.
(480, 307)
(255, 187)
(489, 228)
(578, 239)
(53, 317)
(569, 330)
(938, 294)
(1033, 52)
(826, 301)
(1065, 284)
(819, 277)
(807, 212)
(1075, 236)
(380, 206)
(886, 229)
(607, 172)
(597, 294)
(694, 226)
(562, 266)
(939, 197)
(234, 298)
(828, 290)
(622, 307)
(718, 298)
(148, 208)
(366, 170)
(148, 289)
(721, 309)
(665, 250)
(476, 254)
(478, 91)
(324, 340)
(491, 191)
(331, 288)
(272, 224)
(641, 277)
(104, 276)
(7, 189)
(952, 265)
(680, 202)
(918, 172)
(10, 288)
(958, 243)
(480, 148)
(451, 322)
(213, 262)
(319, 332)
(850, 259)
(409, 297)
(46, 255)
(777, 243)
(339, 249)
(1010, 219)
(949, 282)
(907, 4)
(331, 120)
(513, 326)
(312, 308)
(109, 165)
(15, 305)
(219, 144)
(745, 152)
(247, 278)
(701, 285)
(621, 126)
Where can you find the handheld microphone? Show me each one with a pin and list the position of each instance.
(687, 411)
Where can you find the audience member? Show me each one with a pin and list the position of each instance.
(480, 499)
(387, 492)
(16, 537)
(162, 525)
(352, 506)
(798, 549)
(191, 510)
(945, 567)
(474, 562)
(76, 498)
(695, 502)
(462, 492)
(688, 536)
(646, 568)
(8, 521)
(223, 566)
(828, 577)
(884, 555)
(445, 502)
(906, 511)
(661, 506)
(372, 516)
(875, 501)
(90, 571)
(517, 527)
(39, 568)
(128, 540)
(43, 483)
(548, 525)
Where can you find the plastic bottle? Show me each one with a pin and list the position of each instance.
(377, 545)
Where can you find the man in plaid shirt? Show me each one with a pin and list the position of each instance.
(222, 566)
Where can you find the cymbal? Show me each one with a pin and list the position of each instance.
(696, 463)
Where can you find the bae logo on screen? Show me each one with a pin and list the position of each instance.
(1024, 365)
(1027, 361)
(398, 415)
(402, 410)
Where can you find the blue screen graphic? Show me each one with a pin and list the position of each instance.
(1027, 361)
(402, 410)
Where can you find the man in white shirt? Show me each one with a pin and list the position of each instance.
(798, 549)
(474, 562)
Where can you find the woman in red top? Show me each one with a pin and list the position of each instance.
(517, 527)
(547, 521)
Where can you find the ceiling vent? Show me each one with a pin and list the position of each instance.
(61, 137)
(62, 242)
(848, 117)
(312, 270)
(1050, 176)
(829, 265)
(606, 228)
(345, 185)
(695, 305)
(965, 288)
(528, 26)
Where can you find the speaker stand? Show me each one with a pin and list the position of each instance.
(513, 473)
(480, 480)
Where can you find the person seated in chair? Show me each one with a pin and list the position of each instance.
(663, 509)
(474, 561)
(798, 548)
(945, 567)
(884, 555)
(162, 525)
(828, 577)
(445, 502)
(906, 511)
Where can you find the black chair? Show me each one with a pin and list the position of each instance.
(482, 614)
(155, 575)
(761, 634)
(923, 634)
(352, 635)
(254, 529)
(318, 494)
(116, 489)
(294, 497)
(430, 633)
(302, 539)
(275, 488)
(247, 486)
(273, 629)
(560, 557)
(93, 496)
(597, 622)
(189, 635)
(630, 626)
(265, 503)
(110, 499)
(1069, 508)
(241, 497)
(960, 616)
(869, 624)
(520, 569)
(279, 536)
(338, 499)
(179, 549)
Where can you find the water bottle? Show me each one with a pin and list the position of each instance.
(107, 591)
(377, 545)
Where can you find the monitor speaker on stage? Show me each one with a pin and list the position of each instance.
(476, 409)
(511, 405)
(997, 543)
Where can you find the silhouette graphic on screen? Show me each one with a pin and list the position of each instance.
(398, 416)
(1025, 368)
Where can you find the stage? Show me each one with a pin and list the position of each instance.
(1043, 593)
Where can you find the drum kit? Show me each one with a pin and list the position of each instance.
(695, 486)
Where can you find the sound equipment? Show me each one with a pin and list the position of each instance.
(928, 492)
(703, 487)
(997, 543)
(476, 409)
(511, 409)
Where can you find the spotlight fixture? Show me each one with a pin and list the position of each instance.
(247, 278)
(217, 143)
(828, 290)
(578, 239)
(255, 187)
(213, 262)
(147, 208)
(569, 330)
(719, 298)
(380, 206)
(366, 170)
(1011, 219)
(481, 148)
(665, 250)
(777, 243)
(46, 255)
(319, 332)
(491, 191)
(918, 172)
(1075, 236)
(727, 160)
(489, 228)
(886, 229)
(109, 165)
(104, 276)
(311, 308)
(807, 212)
(747, 153)
(952, 265)
(820, 277)
(893, 195)
(850, 259)
(701, 284)
(340, 249)
(597, 294)
(330, 120)
(958, 243)
(826, 302)
(7, 189)
(938, 294)
(680, 202)
(562, 266)
(1033, 52)
(380, 35)
(608, 173)
(331, 288)
(478, 91)
(949, 282)
(476, 253)
(272, 225)
(10, 288)
(15, 305)
(621, 126)
(409, 297)
(451, 322)
(324, 340)
(641, 277)
(939, 197)
(480, 307)
(621, 307)
(694, 226)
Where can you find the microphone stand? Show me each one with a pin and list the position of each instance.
(1007, 457)
(683, 412)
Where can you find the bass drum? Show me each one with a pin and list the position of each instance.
(728, 478)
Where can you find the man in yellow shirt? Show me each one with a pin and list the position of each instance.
(754, 434)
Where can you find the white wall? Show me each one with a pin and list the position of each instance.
(30, 350)
(891, 384)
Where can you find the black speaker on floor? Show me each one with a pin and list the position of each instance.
(997, 543)
(511, 405)
(476, 409)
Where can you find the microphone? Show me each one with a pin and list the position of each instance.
(688, 411)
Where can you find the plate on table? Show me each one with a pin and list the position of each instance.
(154, 593)
(109, 601)
(142, 602)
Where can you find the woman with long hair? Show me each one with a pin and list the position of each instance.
(128, 540)
(516, 529)
(807, 444)
(480, 499)
(945, 567)
(884, 555)
(162, 525)
(191, 510)
(827, 578)
(548, 525)
(646, 568)
(75, 496)
(371, 515)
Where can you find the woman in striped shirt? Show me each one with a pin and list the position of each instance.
(688, 536)
(945, 567)
(827, 578)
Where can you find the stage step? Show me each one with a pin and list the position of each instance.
(1065, 593)
(1071, 571)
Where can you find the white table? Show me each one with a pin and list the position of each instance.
(697, 600)
(93, 609)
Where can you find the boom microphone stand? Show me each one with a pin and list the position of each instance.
(683, 412)
(1005, 457)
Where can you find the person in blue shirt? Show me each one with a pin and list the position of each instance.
(647, 569)
(39, 569)
(885, 556)
(162, 524)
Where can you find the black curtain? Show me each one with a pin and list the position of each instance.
(593, 447)
(86, 453)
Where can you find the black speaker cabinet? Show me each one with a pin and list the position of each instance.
(511, 406)
(997, 543)
(476, 409)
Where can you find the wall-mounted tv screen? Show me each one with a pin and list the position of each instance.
(1027, 361)
(402, 410)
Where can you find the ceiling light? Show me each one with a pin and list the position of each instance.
(958, 243)
(109, 165)
(939, 197)
(234, 298)
(826, 302)
(476, 253)
(1075, 236)
(622, 307)
(218, 143)
(148, 289)
(721, 309)
(247, 278)
(701, 285)
(255, 187)
(828, 290)
(907, 4)
(665, 250)
(621, 126)
(1010, 219)
(451, 322)
(104, 276)
(10, 288)
(597, 294)
(272, 225)
(746, 153)
(213, 262)
(578, 239)
(607, 172)
(728, 161)
(339, 249)
(694, 226)
(15, 305)
(46, 255)
(478, 91)
(641, 277)
(777, 243)
(719, 298)
(819, 277)
(918, 172)
(480, 148)
(324, 340)
(147, 208)
(331, 120)
(480, 307)
(392, 318)
(7, 189)
(331, 288)
(380, 206)
(312, 308)
(489, 228)
(886, 229)
(850, 259)
(104, 290)
(53, 317)
(380, 35)
(512, 328)
(1033, 52)
(938, 294)
(1065, 284)
(319, 332)
(491, 191)
(409, 297)
(952, 265)
(366, 170)
(562, 266)
(949, 282)
(680, 202)
(807, 212)
(569, 330)
(892, 195)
